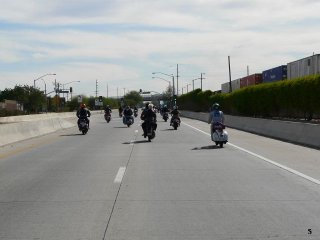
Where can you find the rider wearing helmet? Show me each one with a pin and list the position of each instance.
(107, 110)
(175, 114)
(164, 109)
(83, 113)
(148, 115)
(216, 116)
(127, 112)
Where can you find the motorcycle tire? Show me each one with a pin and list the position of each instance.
(84, 131)
(221, 144)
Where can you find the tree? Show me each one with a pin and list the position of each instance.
(32, 99)
(133, 98)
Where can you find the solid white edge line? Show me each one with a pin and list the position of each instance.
(265, 159)
(120, 175)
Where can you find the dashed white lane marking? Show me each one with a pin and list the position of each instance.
(120, 175)
(316, 181)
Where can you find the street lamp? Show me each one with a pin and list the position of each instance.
(34, 81)
(188, 86)
(193, 82)
(169, 75)
(163, 80)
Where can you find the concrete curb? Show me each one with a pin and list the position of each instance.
(305, 134)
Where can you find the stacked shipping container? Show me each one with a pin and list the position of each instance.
(253, 79)
(235, 84)
(300, 68)
(275, 74)
(304, 67)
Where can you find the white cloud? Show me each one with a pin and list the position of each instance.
(122, 42)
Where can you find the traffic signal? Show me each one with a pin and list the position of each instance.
(100, 98)
(71, 89)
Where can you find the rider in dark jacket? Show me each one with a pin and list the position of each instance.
(148, 115)
(83, 113)
(175, 114)
(107, 110)
(127, 112)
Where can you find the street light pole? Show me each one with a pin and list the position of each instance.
(34, 81)
(173, 89)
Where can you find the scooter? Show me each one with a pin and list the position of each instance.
(83, 126)
(165, 116)
(135, 113)
(107, 117)
(150, 130)
(127, 120)
(219, 135)
(175, 123)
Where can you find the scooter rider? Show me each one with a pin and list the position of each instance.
(164, 109)
(107, 110)
(148, 115)
(83, 113)
(127, 112)
(216, 116)
(120, 110)
(175, 114)
(135, 110)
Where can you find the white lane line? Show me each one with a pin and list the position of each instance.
(316, 181)
(120, 175)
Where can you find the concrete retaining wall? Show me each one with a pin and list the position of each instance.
(18, 128)
(300, 133)
(13, 132)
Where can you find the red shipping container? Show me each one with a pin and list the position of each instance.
(253, 79)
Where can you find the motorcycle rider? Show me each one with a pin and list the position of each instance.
(120, 110)
(164, 109)
(148, 115)
(216, 116)
(107, 110)
(175, 114)
(127, 113)
(135, 110)
(83, 113)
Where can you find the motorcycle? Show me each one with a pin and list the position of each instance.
(219, 135)
(150, 130)
(107, 117)
(127, 120)
(135, 113)
(175, 123)
(83, 126)
(165, 116)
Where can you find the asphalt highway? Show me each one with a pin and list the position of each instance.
(114, 184)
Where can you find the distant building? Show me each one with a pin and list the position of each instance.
(11, 105)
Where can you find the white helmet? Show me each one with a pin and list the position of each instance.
(150, 106)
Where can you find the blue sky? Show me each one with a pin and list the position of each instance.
(120, 43)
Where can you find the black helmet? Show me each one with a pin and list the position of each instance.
(216, 106)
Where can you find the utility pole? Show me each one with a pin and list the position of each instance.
(177, 80)
(107, 91)
(247, 70)
(201, 80)
(96, 88)
(230, 86)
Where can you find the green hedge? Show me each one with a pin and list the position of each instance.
(299, 98)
